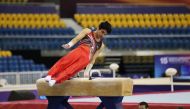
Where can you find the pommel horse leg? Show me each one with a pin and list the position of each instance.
(58, 102)
(110, 102)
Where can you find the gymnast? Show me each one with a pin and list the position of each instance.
(90, 45)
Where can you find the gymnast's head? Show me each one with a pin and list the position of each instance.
(143, 105)
(104, 28)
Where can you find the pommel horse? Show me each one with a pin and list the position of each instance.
(109, 90)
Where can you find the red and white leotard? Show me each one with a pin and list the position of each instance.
(76, 60)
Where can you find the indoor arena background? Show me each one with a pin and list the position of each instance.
(148, 37)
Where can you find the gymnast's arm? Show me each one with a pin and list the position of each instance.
(81, 35)
(90, 65)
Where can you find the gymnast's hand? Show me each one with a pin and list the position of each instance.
(66, 46)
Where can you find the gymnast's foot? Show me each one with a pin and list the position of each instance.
(47, 78)
(52, 83)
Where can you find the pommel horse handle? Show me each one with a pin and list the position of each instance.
(94, 71)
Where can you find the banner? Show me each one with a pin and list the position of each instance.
(180, 62)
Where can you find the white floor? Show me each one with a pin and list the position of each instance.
(175, 97)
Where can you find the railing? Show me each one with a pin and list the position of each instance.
(30, 77)
(16, 78)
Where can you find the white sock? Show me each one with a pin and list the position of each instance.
(52, 83)
(47, 78)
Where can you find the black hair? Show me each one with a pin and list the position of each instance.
(144, 103)
(105, 25)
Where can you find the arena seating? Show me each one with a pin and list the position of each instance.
(14, 63)
(17, 19)
(149, 43)
(13, 1)
(127, 8)
(33, 43)
(5, 53)
(31, 20)
(139, 42)
(140, 27)
(135, 20)
(26, 8)
(153, 31)
(14, 66)
(149, 28)
(137, 66)
(139, 23)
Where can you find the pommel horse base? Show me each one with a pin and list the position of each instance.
(109, 90)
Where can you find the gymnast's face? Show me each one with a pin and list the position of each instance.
(142, 107)
(100, 33)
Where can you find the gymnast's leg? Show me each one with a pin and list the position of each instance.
(70, 65)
